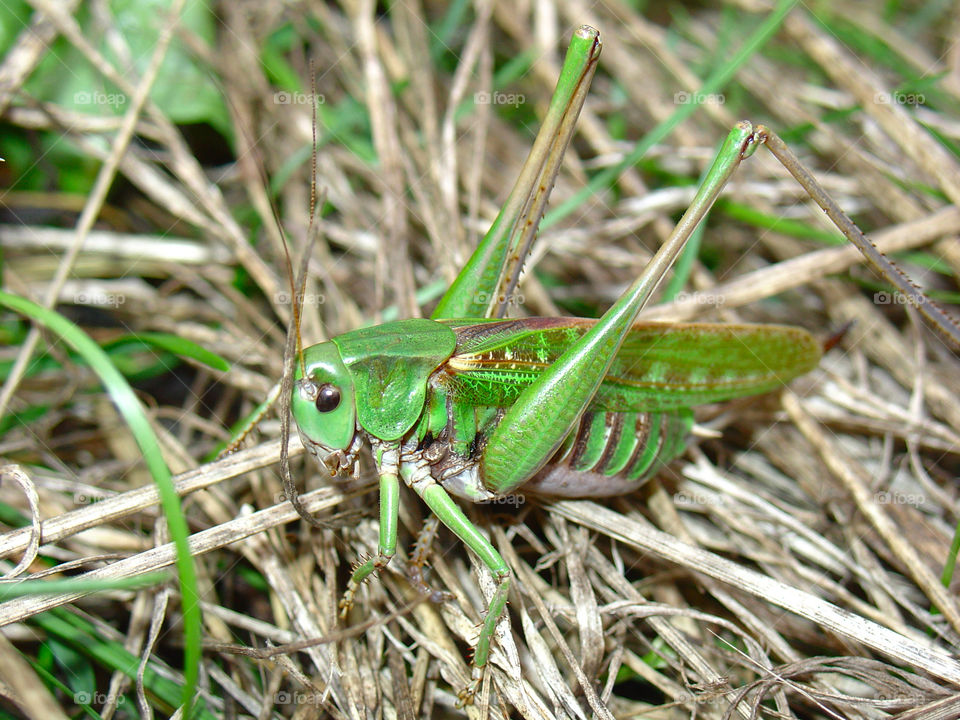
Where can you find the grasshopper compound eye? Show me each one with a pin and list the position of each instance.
(328, 398)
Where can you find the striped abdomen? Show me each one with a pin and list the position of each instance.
(610, 453)
(606, 453)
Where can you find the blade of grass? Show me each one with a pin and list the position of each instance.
(712, 85)
(177, 346)
(10, 590)
(82, 635)
(130, 408)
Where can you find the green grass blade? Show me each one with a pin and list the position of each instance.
(10, 590)
(712, 85)
(177, 346)
(83, 636)
(132, 411)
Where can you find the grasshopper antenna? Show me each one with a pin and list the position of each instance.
(941, 321)
(293, 349)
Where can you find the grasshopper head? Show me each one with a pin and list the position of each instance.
(324, 404)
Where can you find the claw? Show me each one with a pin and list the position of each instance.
(466, 696)
(346, 603)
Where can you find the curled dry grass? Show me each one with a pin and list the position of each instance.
(788, 564)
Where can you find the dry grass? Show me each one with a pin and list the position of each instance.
(786, 567)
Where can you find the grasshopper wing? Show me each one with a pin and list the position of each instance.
(659, 367)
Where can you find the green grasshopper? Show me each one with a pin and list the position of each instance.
(472, 405)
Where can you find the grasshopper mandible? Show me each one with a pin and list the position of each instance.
(471, 405)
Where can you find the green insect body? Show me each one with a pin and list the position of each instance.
(449, 399)
(472, 405)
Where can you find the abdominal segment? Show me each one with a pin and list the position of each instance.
(611, 453)
(606, 453)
